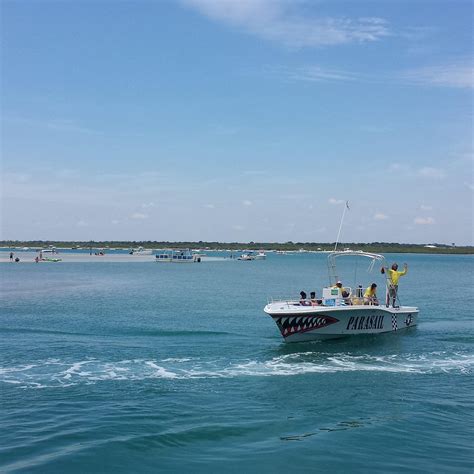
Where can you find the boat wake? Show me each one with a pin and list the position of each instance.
(60, 373)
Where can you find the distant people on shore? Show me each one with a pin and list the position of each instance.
(393, 275)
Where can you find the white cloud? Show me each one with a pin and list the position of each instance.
(67, 173)
(433, 173)
(17, 177)
(318, 74)
(246, 202)
(375, 128)
(424, 220)
(66, 125)
(282, 22)
(139, 216)
(115, 222)
(209, 206)
(398, 168)
(448, 75)
(379, 216)
(470, 186)
(296, 196)
(335, 201)
(255, 172)
(81, 223)
(238, 227)
(424, 207)
(148, 205)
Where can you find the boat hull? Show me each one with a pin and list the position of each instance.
(309, 323)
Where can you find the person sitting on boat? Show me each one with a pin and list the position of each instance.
(393, 275)
(344, 293)
(314, 301)
(370, 295)
(303, 300)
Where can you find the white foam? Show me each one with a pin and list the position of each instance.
(161, 371)
(50, 373)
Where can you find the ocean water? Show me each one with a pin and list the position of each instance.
(148, 367)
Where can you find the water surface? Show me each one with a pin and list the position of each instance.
(114, 367)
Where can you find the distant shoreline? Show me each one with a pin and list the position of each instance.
(377, 247)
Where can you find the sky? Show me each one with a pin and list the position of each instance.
(237, 120)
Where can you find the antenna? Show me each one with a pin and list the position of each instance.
(340, 225)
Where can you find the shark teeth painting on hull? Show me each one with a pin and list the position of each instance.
(293, 324)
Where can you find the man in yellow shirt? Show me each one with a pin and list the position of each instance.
(393, 275)
(370, 296)
(344, 292)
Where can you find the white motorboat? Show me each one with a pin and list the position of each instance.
(140, 251)
(261, 255)
(246, 257)
(177, 256)
(336, 314)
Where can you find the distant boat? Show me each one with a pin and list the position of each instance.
(50, 249)
(177, 256)
(246, 256)
(261, 255)
(140, 251)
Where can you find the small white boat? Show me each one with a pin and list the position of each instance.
(177, 256)
(246, 257)
(335, 315)
(140, 251)
(261, 255)
(52, 250)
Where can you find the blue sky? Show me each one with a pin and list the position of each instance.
(237, 120)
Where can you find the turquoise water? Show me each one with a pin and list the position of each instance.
(121, 367)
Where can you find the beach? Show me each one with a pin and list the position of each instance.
(86, 257)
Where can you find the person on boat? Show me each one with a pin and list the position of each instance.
(370, 295)
(303, 300)
(312, 297)
(393, 275)
(11, 256)
(344, 292)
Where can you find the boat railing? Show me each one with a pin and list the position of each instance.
(283, 300)
(353, 300)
